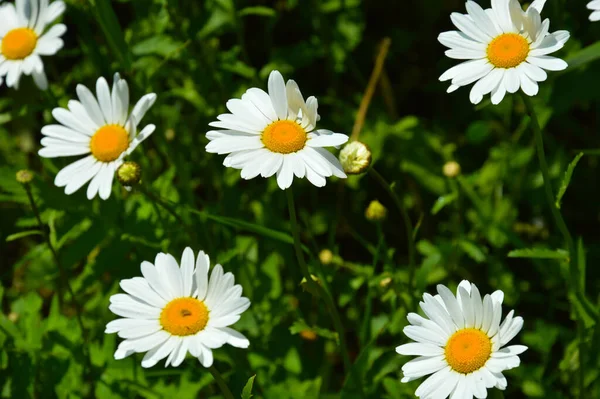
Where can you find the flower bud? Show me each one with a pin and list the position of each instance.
(451, 169)
(326, 256)
(355, 158)
(170, 134)
(384, 282)
(375, 212)
(129, 174)
(24, 176)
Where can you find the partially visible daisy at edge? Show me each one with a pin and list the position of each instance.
(275, 133)
(506, 48)
(594, 5)
(100, 126)
(175, 309)
(460, 344)
(24, 39)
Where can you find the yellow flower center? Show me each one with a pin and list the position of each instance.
(17, 44)
(109, 142)
(184, 316)
(508, 50)
(467, 350)
(284, 137)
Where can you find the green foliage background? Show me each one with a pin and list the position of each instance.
(196, 55)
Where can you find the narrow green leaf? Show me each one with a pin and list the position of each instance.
(432, 182)
(300, 325)
(443, 201)
(583, 56)
(258, 10)
(254, 228)
(540, 253)
(22, 234)
(247, 391)
(472, 250)
(567, 179)
(112, 30)
(581, 262)
(584, 308)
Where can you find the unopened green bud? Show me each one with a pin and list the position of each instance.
(326, 256)
(24, 176)
(355, 158)
(375, 212)
(129, 174)
(451, 169)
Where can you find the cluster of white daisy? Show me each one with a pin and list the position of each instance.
(175, 309)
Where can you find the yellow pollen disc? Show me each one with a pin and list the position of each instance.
(284, 137)
(467, 350)
(508, 50)
(184, 316)
(19, 43)
(109, 142)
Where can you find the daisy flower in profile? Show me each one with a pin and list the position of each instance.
(174, 310)
(102, 128)
(594, 5)
(505, 47)
(275, 133)
(461, 344)
(24, 39)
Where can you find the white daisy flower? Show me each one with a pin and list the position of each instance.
(103, 127)
(172, 310)
(506, 49)
(461, 344)
(275, 133)
(594, 5)
(23, 39)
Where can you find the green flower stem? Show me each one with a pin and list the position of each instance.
(221, 383)
(64, 276)
(406, 219)
(155, 199)
(562, 226)
(314, 287)
(576, 285)
(365, 330)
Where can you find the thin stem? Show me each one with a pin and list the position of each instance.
(365, 333)
(576, 285)
(370, 91)
(167, 206)
(221, 383)
(314, 287)
(562, 226)
(405, 217)
(65, 281)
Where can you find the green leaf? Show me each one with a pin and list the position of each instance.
(585, 310)
(567, 179)
(258, 10)
(540, 253)
(112, 30)
(472, 250)
(251, 227)
(160, 45)
(430, 181)
(300, 325)
(442, 201)
(581, 262)
(22, 234)
(583, 56)
(247, 391)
